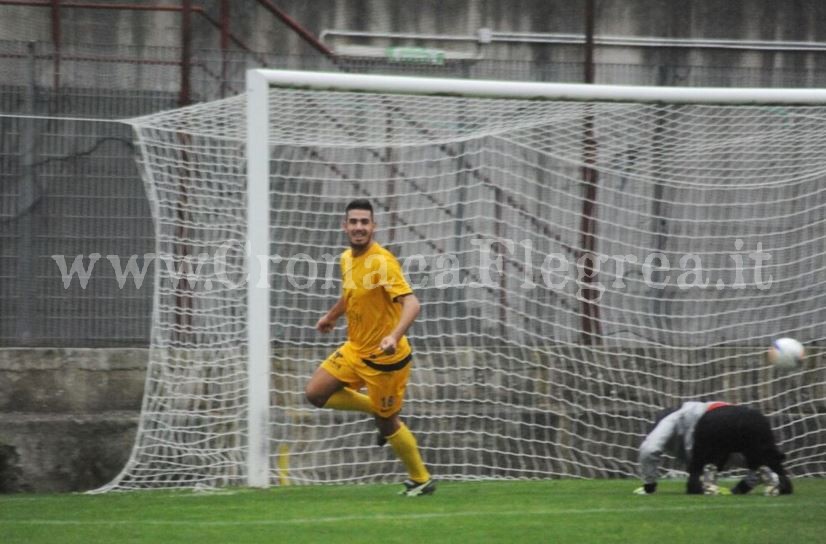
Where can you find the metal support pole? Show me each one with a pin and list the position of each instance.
(56, 39)
(184, 97)
(225, 35)
(591, 329)
(25, 224)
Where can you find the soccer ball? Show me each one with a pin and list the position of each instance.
(786, 353)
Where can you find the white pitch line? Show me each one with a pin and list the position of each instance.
(402, 517)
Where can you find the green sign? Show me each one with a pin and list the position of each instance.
(416, 54)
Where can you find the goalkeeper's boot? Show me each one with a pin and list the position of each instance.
(770, 480)
(415, 489)
(710, 486)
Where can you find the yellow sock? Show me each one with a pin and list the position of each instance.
(347, 399)
(404, 444)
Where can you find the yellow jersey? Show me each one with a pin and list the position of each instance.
(371, 283)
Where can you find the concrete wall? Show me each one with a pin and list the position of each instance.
(801, 20)
(67, 416)
(146, 44)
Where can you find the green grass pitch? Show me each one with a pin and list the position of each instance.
(553, 511)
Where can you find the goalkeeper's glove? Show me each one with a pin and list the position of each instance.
(646, 489)
(714, 489)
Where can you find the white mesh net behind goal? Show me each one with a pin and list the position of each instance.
(581, 266)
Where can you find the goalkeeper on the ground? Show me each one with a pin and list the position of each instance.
(704, 435)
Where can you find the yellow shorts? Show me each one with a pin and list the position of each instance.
(385, 382)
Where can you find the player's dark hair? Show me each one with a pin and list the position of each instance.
(359, 204)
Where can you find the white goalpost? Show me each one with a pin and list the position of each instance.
(258, 238)
(586, 256)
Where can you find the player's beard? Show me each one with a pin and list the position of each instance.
(358, 247)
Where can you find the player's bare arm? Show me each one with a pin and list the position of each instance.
(410, 310)
(328, 321)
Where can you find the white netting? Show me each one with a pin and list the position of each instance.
(709, 223)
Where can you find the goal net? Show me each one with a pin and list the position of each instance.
(585, 257)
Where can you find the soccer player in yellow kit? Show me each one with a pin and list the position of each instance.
(380, 307)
